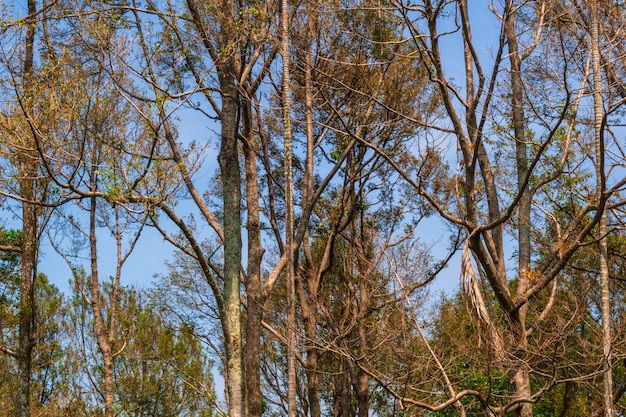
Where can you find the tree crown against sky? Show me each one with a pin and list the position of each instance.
(301, 177)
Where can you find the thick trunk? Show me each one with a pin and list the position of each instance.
(312, 383)
(361, 388)
(227, 61)
(231, 186)
(519, 375)
(231, 183)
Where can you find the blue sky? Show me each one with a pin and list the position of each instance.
(152, 251)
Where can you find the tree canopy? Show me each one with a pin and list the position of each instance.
(361, 208)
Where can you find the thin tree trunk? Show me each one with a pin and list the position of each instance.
(312, 369)
(99, 328)
(602, 227)
(27, 181)
(27, 308)
(519, 375)
(253, 280)
(289, 217)
(346, 392)
(309, 308)
(363, 254)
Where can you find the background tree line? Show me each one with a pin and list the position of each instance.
(356, 153)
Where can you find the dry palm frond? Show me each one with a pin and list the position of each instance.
(476, 303)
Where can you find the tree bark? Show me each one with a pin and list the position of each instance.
(289, 216)
(27, 307)
(309, 309)
(312, 356)
(605, 305)
(312, 281)
(27, 182)
(96, 306)
(253, 279)
(231, 183)
(345, 389)
(361, 389)
(520, 377)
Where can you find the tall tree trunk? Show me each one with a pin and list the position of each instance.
(27, 307)
(27, 182)
(289, 217)
(253, 279)
(602, 227)
(96, 306)
(310, 307)
(519, 375)
(231, 183)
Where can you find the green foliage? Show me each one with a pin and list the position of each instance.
(108, 87)
(163, 369)
(160, 368)
(48, 363)
(10, 261)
